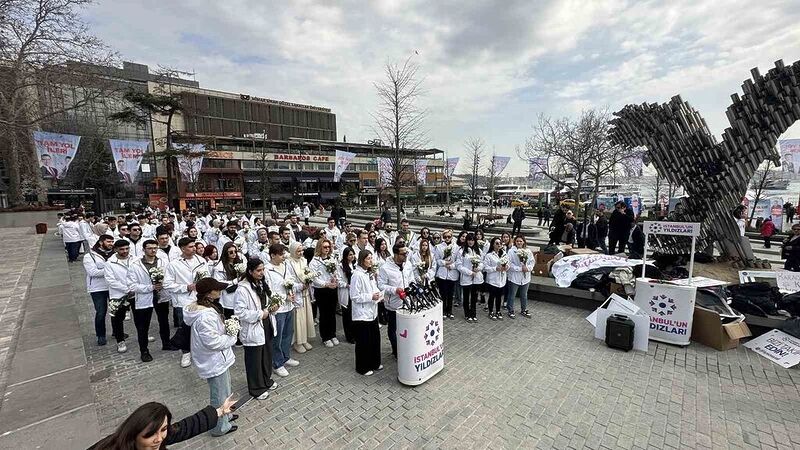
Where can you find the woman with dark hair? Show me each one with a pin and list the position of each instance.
(345, 275)
(381, 256)
(365, 297)
(496, 264)
(210, 253)
(211, 351)
(225, 271)
(470, 265)
(150, 427)
(258, 328)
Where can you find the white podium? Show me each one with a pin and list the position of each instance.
(420, 345)
(670, 307)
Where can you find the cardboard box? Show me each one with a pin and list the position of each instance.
(543, 258)
(541, 269)
(580, 251)
(708, 329)
(616, 288)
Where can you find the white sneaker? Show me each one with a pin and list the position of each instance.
(335, 341)
(328, 344)
(380, 367)
(186, 360)
(274, 386)
(263, 396)
(281, 371)
(151, 339)
(368, 374)
(121, 347)
(291, 362)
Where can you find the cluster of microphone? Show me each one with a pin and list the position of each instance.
(418, 298)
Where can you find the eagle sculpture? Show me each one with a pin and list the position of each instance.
(715, 175)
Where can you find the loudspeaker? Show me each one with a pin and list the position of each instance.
(619, 332)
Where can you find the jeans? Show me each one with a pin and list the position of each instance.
(220, 387)
(73, 249)
(282, 342)
(523, 296)
(100, 300)
(177, 316)
(457, 294)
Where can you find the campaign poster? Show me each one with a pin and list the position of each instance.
(127, 158)
(343, 160)
(190, 163)
(499, 164)
(55, 153)
(790, 155)
(451, 166)
(421, 171)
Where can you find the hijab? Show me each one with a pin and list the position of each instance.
(298, 264)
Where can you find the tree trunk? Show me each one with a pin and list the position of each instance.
(15, 194)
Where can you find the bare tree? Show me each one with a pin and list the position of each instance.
(48, 67)
(758, 184)
(474, 155)
(398, 120)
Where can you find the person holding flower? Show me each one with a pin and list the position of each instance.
(252, 307)
(228, 269)
(520, 261)
(325, 290)
(424, 262)
(345, 275)
(211, 346)
(446, 271)
(303, 316)
(146, 281)
(277, 274)
(180, 279)
(470, 265)
(365, 296)
(119, 293)
(495, 263)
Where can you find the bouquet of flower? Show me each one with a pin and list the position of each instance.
(276, 300)
(448, 251)
(115, 304)
(373, 269)
(476, 261)
(200, 274)
(240, 243)
(240, 268)
(289, 285)
(523, 255)
(503, 261)
(308, 275)
(232, 326)
(330, 265)
(422, 267)
(262, 247)
(481, 243)
(156, 275)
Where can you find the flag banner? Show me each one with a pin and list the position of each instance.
(190, 163)
(536, 169)
(421, 170)
(55, 152)
(343, 159)
(384, 171)
(451, 166)
(790, 155)
(500, 163)
(127, 158)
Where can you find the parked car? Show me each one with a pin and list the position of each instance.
(568, 202)
(517, 202)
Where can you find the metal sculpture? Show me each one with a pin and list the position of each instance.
(714, 174)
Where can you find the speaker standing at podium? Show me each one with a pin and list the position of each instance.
(393, 277)
(365, 296)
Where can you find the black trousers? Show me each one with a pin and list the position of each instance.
(118, 324)
(258, 363)
(767, 241)
(495, 298)
(613, 241)
(141, 319)
(391, 318)
(446, 291)
(327, 299)
(470, 299)
(368, 345)
(347, 322)
(516, 228)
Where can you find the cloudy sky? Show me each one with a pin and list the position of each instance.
(489, 67)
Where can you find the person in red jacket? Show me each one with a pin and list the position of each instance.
(767, 230)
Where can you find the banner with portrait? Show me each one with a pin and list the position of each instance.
(55, 153)
(127, 158)
(384, 171)
(536, 169)
(451, 166)
(421, 171)
(191, 161)
(343, 159)
(499, 164)
(790, 155)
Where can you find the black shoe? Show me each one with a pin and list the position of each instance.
(234, 417)
(233, 428)
(101, 341)
(526, 313)
(146, 357)
(126, 336)
(169, 348)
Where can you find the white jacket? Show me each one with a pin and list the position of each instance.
(218, 273)
(344, 286)
(86, 229)
(465, 266)
(210, 345)
(70, 231)
(362, 287)
(247, 307)
(174, 253)
(491, 262)
(276, 277)
(441, 269)
(256, 251)
(332, 234)
(324, 277)
(515, 273)
(179, 275)
(141, 284)
(116, 273)
(306, 212)
(94, 266)
(137, 251)
(390, 277)
(430, 274)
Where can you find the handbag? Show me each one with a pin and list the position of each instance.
(180, 339)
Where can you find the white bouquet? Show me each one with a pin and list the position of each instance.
(503, 261)
(276, 300)
(232, 326)
(262, 247)
(240, 268)
(309, 275)
(476, 261)
(200, 274)
(289, 285)
(240, 242)
(115, 304)
(448, 251)
(330, 265)
(523, 255)
(481, 243)
(156, 275)
(422, 267)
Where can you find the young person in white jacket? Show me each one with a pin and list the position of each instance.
(179, 280)
(446, 271)
(424, 262)
(394, 276)
(519, 276)
(252, 307)
(347, 265)
(73, 238)
(211, 348)
(325, 290)
(116, 274)
(495, 263)
(147, 297)
(365, 296)
(471, 268)
(278, 273)
(225, 272)
(94, 263)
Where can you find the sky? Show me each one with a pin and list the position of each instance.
(488, 68)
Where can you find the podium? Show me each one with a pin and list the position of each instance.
(420, 345)
(670, 307)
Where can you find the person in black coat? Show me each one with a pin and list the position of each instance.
(601, 228)
(619, 227)
(567, 236)
(636, 242)
(546, 216)
(791, 250)
(517, 216)
(586, 234)
(539, 215)
(151, 426)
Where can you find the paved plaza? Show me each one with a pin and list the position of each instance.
(524, 383)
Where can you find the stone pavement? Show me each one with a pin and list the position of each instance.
(542, 382)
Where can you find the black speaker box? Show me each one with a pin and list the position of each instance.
(619, 332)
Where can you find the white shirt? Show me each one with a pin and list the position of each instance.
(467, 268)
(491, 264)
(515, 273)
(390, 277)
(179, 275)
(362, 287)
(442, 271)
(116, 273)
(70, 231)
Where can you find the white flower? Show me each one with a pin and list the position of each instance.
(476, 261)
(200, 274)
(156, 274)
(523, 255)
(503, 261)
(276, 300)
(422, 267)
(232, 326)
(289, 285)
(240, 268)
(239, 242)
(330, 265)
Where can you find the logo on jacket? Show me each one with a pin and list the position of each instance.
(432, 332)
(663, 305)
